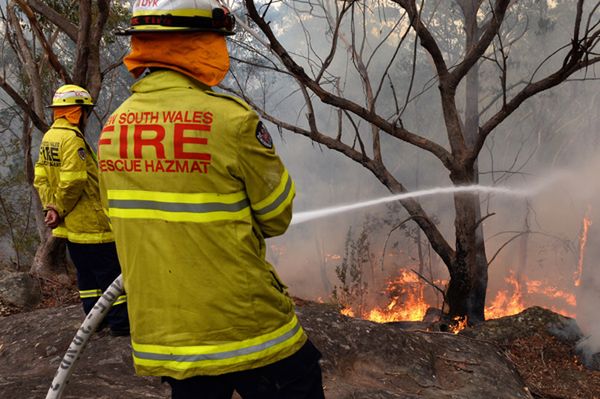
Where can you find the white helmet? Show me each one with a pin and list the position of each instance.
(180, 16)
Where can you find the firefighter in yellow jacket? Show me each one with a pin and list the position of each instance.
(66, 178)
(194, 186)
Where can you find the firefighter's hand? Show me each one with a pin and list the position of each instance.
(52, 218)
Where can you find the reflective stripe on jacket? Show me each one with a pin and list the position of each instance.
(193, 186)
(66, 178)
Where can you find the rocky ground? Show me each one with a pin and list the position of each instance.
(530, 355)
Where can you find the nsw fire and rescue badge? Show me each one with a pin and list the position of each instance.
(263, 136)
(81, 153)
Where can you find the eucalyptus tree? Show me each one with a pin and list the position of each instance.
(55, 42)
(384, 48)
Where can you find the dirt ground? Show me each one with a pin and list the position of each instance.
(542, 346)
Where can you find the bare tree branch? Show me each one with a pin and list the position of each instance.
(441, 153)
(28, 60)
(56, 18)
(39, 123)
(58, 67)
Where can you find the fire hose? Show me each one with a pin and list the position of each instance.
(89, 325)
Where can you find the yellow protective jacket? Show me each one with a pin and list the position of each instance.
(193, 186)
(66, 178)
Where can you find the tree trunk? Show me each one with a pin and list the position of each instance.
(50, 260)
(468, 273)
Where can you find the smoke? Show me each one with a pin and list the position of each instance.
(566, 330)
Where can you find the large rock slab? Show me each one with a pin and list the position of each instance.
(367, 360)
(361, 359)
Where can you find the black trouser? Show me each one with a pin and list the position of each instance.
(97, 267)
(296, 377)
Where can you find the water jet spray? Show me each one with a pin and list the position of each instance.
(302, 217)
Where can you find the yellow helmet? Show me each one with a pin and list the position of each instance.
(71, 95)
(180, 16)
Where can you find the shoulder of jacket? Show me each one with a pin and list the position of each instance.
(72, 136)
(61, 133)
(65, 128)
(230, 97)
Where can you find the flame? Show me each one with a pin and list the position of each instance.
(459, 325)
(582, 242)
(347, 312)
(535, 287)
(407, 301)
(505, 305)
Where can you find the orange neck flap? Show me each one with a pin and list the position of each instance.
(200, 55)
(72, 113)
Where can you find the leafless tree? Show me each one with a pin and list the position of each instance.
(406, 28)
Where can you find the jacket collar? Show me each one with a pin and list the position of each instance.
(166, 79)
(62, 123)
